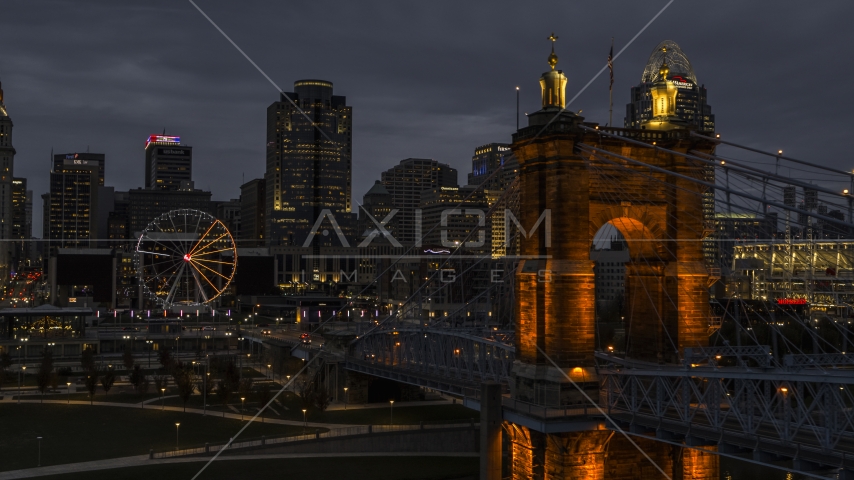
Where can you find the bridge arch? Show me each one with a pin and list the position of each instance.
(661, 217)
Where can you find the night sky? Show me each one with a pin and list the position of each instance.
(428, 79)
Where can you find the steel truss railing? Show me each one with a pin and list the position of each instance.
(808, 410)
(458, 357)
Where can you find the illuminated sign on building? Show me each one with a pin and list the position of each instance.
(162, 139)
(170, 151)
(791, 301)
(681, 82)
(68, 161)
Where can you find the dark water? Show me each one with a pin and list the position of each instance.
(732, 469)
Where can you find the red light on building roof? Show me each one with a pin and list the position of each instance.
(162, 139)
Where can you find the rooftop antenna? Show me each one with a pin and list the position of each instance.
(164, 130)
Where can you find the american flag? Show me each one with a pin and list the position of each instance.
(611, 66)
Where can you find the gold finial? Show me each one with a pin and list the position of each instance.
(552, 56)
(664, 70)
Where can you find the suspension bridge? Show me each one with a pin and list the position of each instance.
(762, 372)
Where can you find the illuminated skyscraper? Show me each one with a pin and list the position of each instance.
(405, 182)
(691, 98)
(485, 161)
(167, 162)
(22, 221)
(309, 162)
(7, 161)
(691, 107)
(73, 201)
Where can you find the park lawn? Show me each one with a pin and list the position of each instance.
(349, 468)
(79, 433)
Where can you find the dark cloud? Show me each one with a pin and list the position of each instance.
(425, 80)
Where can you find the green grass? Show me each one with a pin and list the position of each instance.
(79, 433)
(352, 468)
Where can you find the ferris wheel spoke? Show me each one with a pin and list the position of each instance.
(198, 222)
(210, 242)
(156, 277)
(212, 261)
(213, 252)
(201, 238)
(153, 253)
(175, 231)
(211, 269)
(171, 293)
(197, 273)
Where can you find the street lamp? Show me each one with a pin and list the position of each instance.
(149, 342)
(20, 379)
(304, 421)
(40, 450)
(345, 398)
(268, 371)
(391, 416)
(240, 359)
(242, 404)
(205, 391)
(162, 403)
(177, 424)
(68, 392)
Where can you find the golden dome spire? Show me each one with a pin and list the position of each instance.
(553, 57)
(553, 82)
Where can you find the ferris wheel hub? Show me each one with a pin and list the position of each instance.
(187, 257)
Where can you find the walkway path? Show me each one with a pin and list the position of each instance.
(199, 411)
(142, 460)
(362, 406)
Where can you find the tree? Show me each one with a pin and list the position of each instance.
(160, 382)
(231, 374)
(108, 380)
(127, 358)
(91, 383)
(5, 363)
(244, 388)
(321, 396)
(185, 384)
(264, 396)
(43, 377)
(144, 385)
(223, 391)
(183, 381)
(305, 393)
(135, 377)
(164, 356)
(87, 360)
(208, 386)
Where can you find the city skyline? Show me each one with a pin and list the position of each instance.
(413, 99)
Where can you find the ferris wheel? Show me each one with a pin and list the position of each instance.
(185, 257)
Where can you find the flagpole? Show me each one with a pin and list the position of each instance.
(517, 108)
(611, 88)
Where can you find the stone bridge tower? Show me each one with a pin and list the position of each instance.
(567, 194)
